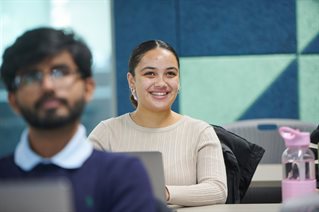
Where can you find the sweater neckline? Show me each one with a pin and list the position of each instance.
(147, 129)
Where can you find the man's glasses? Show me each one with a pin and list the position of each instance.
(59, 76)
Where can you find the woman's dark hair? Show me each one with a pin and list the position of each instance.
(138, 53)
(38, 44)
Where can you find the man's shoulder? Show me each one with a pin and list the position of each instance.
(7, 166)
(6, 160)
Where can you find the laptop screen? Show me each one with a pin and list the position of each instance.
(153, 162)
(36, 196)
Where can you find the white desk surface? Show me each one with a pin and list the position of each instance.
(267, 175)
(233, 208)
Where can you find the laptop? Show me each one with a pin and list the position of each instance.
(153, 163)
(36, 196)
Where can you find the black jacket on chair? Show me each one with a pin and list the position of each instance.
(241, 160)
(233, 175)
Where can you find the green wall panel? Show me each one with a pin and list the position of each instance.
(220, 89)
(309, 88)
(307, 22)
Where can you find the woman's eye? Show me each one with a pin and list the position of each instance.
(149, 74)
(171, 74)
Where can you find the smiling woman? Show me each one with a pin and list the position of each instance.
(192, 155)
(155, 83)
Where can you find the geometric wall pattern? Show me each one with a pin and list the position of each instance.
(232, 88)
(267, 85)
(239, 59)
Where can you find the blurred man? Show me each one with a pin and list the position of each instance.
(48, 76)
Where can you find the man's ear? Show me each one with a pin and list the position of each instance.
(12, 99)
(130, 80)
(89, 88)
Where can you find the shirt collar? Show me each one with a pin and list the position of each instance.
(72, 156)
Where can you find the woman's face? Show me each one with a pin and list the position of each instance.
(156, 80)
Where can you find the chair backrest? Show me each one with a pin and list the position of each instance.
(264, 132)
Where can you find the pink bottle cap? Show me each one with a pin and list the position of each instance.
(293, 137)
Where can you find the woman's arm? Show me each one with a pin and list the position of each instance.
(211, 187)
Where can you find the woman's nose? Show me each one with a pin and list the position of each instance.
(160, 81)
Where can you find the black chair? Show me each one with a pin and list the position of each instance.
(264, 132)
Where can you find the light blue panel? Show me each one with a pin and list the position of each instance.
(220, 89)
(307, 24)
(280, 99)
(309, 88)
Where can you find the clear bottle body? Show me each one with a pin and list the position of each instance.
(299, 177)
(298, 164)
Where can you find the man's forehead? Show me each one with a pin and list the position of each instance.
(61, 58)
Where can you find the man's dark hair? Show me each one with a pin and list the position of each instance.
(38, 44)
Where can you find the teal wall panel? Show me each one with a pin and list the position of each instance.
(221, 89)
(309, 87)
(280, 99)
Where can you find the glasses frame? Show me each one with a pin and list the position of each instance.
(58, 77)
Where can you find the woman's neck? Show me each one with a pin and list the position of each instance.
(155, 119)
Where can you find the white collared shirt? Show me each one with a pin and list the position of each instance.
(73, 155)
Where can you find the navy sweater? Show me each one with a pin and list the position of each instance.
(111, 181)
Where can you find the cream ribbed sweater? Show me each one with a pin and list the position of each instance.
(193, 162)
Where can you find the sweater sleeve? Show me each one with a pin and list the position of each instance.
(211, 186)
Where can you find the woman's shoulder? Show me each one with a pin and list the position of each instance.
(196, 122)
(117, 119)
(200, 128)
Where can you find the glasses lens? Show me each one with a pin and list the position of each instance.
(61, 72)
(62, 76)
(28, 79)
(59, 76)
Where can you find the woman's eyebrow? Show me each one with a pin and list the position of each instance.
(153, 68)
(172, 67)
(147, 67)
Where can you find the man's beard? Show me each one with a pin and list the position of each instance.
(50, 119)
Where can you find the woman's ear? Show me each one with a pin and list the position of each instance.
(130, 80)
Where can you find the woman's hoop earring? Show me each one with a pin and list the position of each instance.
(133, 91)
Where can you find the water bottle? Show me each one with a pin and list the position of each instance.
(298, 164)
